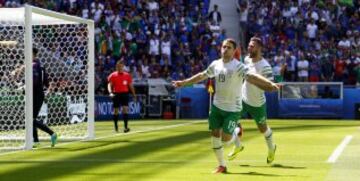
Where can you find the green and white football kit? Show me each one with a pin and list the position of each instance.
(227, 105)
(254, 101)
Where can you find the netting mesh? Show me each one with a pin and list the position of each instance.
(63, 52)
(12, 96)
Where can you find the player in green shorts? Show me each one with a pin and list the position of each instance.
(229, 76)
(253, 98)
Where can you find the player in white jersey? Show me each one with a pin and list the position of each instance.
(254, 101)
(225, 112)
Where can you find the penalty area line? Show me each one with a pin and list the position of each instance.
(337, 152)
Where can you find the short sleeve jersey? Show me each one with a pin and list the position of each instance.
(120, 81)
(253, 95)
(229, 79)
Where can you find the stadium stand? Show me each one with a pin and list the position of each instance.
(322, 37)
(173, 39)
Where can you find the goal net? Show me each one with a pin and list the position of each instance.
(65, 49)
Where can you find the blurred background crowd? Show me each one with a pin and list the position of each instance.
(305, 40)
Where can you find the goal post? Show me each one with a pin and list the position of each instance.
(66, 51)
(28, 79)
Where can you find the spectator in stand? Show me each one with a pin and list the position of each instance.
(278, 71)
(303, 69)
(215, 15)
(166, 46)
(154, 68)
(290, 63)
(327, 70)
(339, 69)
(144, 64)
(314, 72)
(152, 5)
(154, 44)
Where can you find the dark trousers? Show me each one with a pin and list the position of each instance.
(37, 102)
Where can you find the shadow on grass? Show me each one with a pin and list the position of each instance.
(275, 166)
(256, 174)
(97, 144)
(261, 174)
(118, 153)
(120, 150)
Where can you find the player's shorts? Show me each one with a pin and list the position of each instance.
(223, 119)
(120, 99)
(257, 113)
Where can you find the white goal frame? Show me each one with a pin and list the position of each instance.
(29, 12)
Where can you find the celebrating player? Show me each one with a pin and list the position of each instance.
(254, 101)
(225, 111)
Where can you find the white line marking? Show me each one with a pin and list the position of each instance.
(337, 152)
(114, 135)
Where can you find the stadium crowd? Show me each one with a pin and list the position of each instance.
(314, 40)
(171, 39)
(305, 40)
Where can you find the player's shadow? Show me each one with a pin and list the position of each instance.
(255, 174)
(251, 173)
(275, 166)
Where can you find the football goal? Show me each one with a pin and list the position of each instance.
(66, 50)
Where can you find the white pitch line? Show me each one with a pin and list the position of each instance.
(110, 136)
(337, 152)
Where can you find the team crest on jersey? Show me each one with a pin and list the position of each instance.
(124, 82)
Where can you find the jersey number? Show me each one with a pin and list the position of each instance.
(232, 125)
(221, 77)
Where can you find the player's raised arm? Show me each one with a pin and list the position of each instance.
(192, 80)
(261, 82)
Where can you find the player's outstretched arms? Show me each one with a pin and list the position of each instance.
(262, 82)
(192, 80)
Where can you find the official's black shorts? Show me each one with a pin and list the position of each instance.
(120, 99)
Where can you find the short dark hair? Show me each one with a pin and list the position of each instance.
(257, 40)
(232, 41)
(35, 51)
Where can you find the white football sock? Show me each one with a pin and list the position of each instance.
(219, 150)
(269, 139)
(236, 138)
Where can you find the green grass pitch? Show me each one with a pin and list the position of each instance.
(180, 150)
